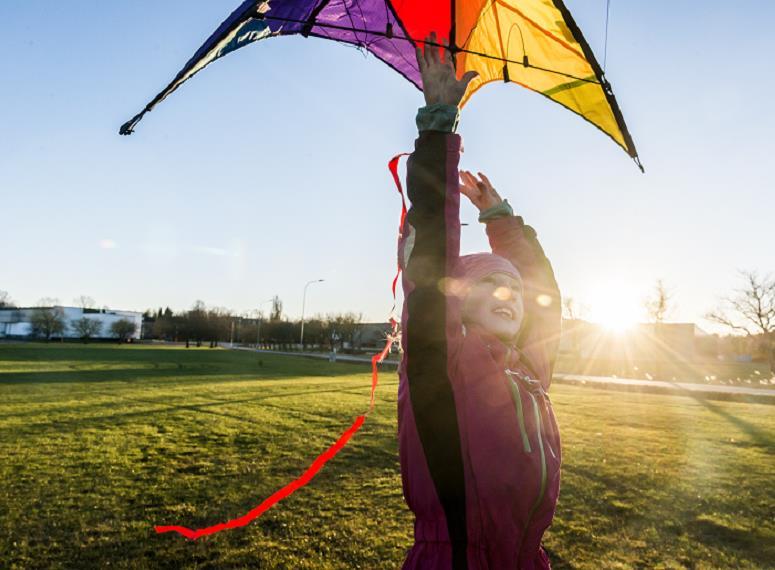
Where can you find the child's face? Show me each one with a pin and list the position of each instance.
(495, 304)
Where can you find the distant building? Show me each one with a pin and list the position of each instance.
(648, 341)
(370, 335)
(16, 323)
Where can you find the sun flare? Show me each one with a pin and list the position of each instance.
(615, 311)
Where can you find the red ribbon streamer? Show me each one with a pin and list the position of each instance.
(278, 496)
(331, 452)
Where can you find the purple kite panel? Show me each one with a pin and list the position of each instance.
(366, 23)
(287, 16)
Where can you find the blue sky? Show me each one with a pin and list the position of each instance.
(269, 168)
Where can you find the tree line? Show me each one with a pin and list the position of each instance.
(748, 310)
(214, 325)
(49, 322)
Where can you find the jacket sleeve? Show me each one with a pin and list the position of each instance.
(432, 233)
(540, 338)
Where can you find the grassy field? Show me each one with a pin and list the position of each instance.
(100, 443)
(711, 372)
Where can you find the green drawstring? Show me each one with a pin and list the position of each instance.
(520, 414)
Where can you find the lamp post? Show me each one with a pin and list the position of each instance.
(303, 306)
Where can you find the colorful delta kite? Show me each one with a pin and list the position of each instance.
(533, 43)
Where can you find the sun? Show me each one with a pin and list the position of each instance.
(615, 310)
(616, 322)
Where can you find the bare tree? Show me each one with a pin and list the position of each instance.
(277, 309)
(342, 328)
(86, 328)
(751, 310)
(573, 310)
(123, 329)
(5, 300)
(47, 322)
(658, 306)
(84, 301)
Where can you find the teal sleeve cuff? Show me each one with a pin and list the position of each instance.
(502, 210)
(438, 117)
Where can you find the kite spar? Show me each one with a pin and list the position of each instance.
(532, 43)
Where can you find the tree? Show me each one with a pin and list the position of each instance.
(84, 301)
(219, 323)
(658, 305)
(572, 310)
(344, 327)
(164, 325)
(317, 331)
(123, 329)
(572, 329)
(751, 310)
(277, 309)
(195, 323)
(5, 300)
(47, 322)
(86, 328)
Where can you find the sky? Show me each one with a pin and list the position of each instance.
(268, 169)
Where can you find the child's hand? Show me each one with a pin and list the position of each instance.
(479, 191)
(440, 83)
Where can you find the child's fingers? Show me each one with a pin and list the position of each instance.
(470, 189)
(469, 181)
(475, 183)
(468, 76)
(448, 56)
(433, 50)
(479, 184)
(427, 51)
(486, 180)
(465, 183)
(420, 58)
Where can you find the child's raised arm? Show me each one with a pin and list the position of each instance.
(511, 238)
(431, 244)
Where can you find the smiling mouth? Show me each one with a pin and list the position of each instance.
(504, 312)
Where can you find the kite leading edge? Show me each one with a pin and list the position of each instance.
(533, 43)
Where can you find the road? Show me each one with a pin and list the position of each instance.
(693, 389)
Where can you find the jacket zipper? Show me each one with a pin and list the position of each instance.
(515, 392)
(542, 491)
(520, 415)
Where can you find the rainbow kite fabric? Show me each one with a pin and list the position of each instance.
(533, 43)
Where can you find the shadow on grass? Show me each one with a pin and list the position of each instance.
(118, 375)
(615, 508)
(161, 407)
(238, 366)
(55, 352)
(761, 437)
(557, 561)
(173, 371)
(753, 546)
(200, 408)
(339, 484)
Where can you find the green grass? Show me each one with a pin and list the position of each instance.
(712, 372)
(99, 443)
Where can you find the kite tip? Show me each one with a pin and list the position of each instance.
(129, 127)
(636, 158)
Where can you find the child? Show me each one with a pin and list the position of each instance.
(479, 445)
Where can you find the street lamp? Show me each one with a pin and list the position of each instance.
(303, 306)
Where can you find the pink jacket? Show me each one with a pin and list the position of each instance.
(479, 444)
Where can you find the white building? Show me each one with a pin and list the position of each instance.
(17, 322)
